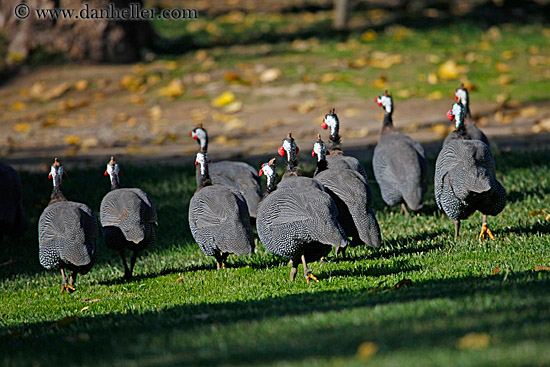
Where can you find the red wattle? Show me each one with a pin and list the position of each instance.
(106, 173)
(380, 104)
(324, 126)
(297, 149)
(375, 100)
(195, 137)
(50, 176)
(450, 115)
(261, 172)
(456, 98)
(190, 133)
(196, 163)
(313, 153)
(281, 151)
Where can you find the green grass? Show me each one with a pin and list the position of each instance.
(250, 314)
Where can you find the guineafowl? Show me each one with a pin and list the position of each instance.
(219, 218)
(465, 178)
(13, 220)
(350, 191)
(336, 157)
(472, 131)
(67, 233)
(128, 218)
(399, 164)
(239, 175)
(298, 221)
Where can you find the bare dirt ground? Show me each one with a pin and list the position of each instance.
(83, 114)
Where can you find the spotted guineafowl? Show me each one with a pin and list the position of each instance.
(472, 131)
(13, 220)
(351, 193)
(67, 233)
(238, 175)
(336, 157)
(128, 219)
(298, 221)
(465, 178)
(219, 218)
(399, 164)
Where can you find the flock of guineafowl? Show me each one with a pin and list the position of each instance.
(300, 218)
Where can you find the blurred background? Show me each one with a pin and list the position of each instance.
(251, 70)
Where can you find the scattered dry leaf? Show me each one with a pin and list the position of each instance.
(81, 85)
(155, 112)
(84, 308)
(18, 106)
(502, 67)
(504, 79)
(72, 139)
(366, 350)
(448, 70)
(233, 107)
(56, 91)
(380, 82)
(496, 270)
(435, 96)
(92, 300)
(542, 268)
(223, 99)
(402, 283)
(507, 55)
(357, 133)
(440, 129)
(530, 111)
(179, 279)
(472, 341)
(368, 36)
(432, 78)
(383, 60)
(66, 321)
(173, 90)
(21, 127)
(223, 140)
(270, 75)
(351, 112)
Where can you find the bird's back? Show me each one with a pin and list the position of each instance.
(353, 198)
(219, 220)
(290, 218)
(465, 180)
(241, 176)
(67, 233)
(401, 170)
(346, 162)
(132, 212)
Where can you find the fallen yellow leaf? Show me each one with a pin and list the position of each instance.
(474, 341)
(71, 139)
(368, 36)
(366, 350)
(81, 85)
(432, 79)
(496, 270)
(504, 79)
(435, 96)
(233, 107)
(155, 112)
(448, 70)
(380, 82)
(173, 90)
(542, 268)
(18, 106)
(223, 99)
(270, 75)
(21, 127)
(56, 91)
(530, 111)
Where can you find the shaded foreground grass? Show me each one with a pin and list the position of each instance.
(180, 311)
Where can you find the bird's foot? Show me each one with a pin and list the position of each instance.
(484, 232)
(68, 288)
(312, 277)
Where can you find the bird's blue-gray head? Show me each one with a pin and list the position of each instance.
(457, 112)
(289, 148)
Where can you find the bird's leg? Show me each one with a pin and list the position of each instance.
(340, 250)
(133, 262)
(404, 209)
(65, 286)
(293, 269)
(457, 229)
(307, 271)
(219, 260)
(485, 230)
(224, 259)
(127, 272)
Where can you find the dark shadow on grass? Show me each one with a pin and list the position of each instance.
(535, 228)
(174, 335)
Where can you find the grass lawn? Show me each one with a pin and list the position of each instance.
(468, 304)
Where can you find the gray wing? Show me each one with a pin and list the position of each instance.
(219, 221)
(354, 202)
(67, 233)
(346, 162)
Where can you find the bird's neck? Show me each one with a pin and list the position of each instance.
(57, 194)
(387, 125)
(114, 183)
(321, 166)
(204, 176)
(271, 185)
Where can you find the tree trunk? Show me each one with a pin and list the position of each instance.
(340, 14)
(100, 40)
